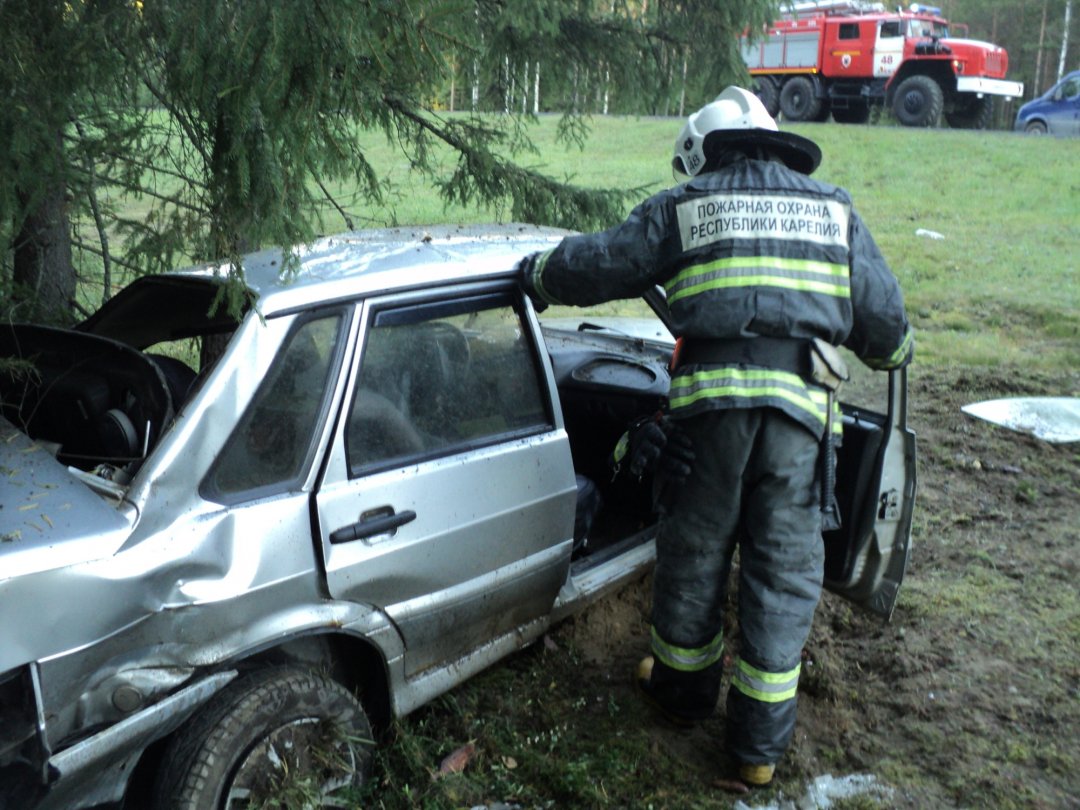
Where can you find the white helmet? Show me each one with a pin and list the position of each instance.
(738, 116)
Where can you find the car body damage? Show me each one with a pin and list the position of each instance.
(374, 474)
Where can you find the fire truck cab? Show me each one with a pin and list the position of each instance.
(842, 58)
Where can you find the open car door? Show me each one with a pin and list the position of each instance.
(865, 559)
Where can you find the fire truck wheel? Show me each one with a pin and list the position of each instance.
(971, 113)
(798, 101)
(918, 102)
(765, 89)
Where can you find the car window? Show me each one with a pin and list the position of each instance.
(438, 378)
(890, 29)
(270, 448)
(926, 28)
(632, 317)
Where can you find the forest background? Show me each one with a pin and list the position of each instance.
(235, 125)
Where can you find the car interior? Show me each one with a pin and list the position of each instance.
(94, 400)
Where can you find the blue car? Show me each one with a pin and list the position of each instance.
(1056, 112)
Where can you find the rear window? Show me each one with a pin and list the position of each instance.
(271, 448)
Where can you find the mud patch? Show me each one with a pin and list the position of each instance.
(971, 696)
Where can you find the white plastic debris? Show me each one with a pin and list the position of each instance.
(929, 234)
(821, 793)
(1052, 419)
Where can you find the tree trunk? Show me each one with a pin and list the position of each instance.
(508, 96)
(536, 89)
(44, 275)
(1039, 54)
(682, 89)
(1064, 39)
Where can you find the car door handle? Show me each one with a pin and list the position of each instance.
(378, 521)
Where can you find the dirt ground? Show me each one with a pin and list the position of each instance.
(970, 697)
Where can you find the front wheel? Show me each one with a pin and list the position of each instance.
(918, 102)
(1035, 128)
(971, 113)
(281, 737)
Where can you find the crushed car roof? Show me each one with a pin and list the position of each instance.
(364, 262)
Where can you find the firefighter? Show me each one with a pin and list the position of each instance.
(766, 271)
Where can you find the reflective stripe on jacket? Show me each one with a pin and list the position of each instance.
(753, 249)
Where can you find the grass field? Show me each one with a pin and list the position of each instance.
(1006, 206)
(969, 697)
(1001, 285)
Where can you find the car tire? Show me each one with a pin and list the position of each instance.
(918, 102)
(798, 101)
(975, 113)
(765, 89)
(281, 734)
(1035, 128)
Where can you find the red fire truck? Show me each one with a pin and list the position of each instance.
(844, 57)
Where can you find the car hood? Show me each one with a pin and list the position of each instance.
(48, 517)
(1034, 104)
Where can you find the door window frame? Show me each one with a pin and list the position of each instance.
(433, 304)
(208, 488)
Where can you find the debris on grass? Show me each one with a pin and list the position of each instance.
(1052, 419)
(456, 762)
(826, 789)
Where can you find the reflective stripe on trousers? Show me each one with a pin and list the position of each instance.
(769, 687)
(754, 484)
(687, 659)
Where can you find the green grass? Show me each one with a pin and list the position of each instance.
(1001, 287)
(999, 290)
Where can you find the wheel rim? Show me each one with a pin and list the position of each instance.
(304, 762)
(914, 102)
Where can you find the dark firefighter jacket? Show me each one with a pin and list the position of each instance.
(753, 249)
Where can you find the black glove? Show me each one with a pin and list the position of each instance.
(524, 270)
(677, 460)
(660, 447)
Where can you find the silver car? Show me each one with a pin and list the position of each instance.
(233, 549)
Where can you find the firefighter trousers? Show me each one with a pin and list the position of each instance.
(754, 485)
